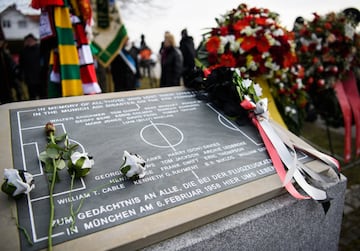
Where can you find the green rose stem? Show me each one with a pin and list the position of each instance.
(73, 212)
(52, 186)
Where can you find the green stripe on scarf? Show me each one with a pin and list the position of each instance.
(70, 71)
(66, 37)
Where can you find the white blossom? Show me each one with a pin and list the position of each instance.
(258, 90)
(349, 31)
(317, 40)
(278, 32)
(247, 83)
(300, 83)
(88, 163)
(12, 177)
(136, 164)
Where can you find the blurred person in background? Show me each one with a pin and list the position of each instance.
(30, 67)
(124, 70)
(9, 72)
(187, 48)
(171, 63)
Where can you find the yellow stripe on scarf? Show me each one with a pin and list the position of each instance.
(62, 17)
(51, 59)
(274, 112)
(71, 87)
(68, 54)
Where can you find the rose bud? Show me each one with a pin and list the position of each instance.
(310, 80)
(320, 68)
(49, 128)
(334, 69)
(17, 182)
(321, 82)
(133, 166)
(80, 164)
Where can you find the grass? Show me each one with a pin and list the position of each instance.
(332, 142)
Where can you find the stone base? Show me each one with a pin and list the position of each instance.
(282, 223)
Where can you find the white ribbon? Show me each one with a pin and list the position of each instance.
(287, 153)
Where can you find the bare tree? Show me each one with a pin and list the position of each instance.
(130, 6)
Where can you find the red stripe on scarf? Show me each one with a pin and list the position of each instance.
(88, 74)
(80, 35)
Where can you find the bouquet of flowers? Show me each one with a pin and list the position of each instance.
(252, 40)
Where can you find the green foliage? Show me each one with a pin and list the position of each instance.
(57, 152)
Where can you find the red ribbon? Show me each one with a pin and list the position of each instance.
(278, 164)
(353, 97)
(346, 111)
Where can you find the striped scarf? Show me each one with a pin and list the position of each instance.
(71, 63)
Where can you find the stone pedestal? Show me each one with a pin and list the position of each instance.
(256, 215)
(282, 223)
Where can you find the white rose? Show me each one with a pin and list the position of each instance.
(22, 181)
(133, 166)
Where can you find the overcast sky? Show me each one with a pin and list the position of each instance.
(197, 15)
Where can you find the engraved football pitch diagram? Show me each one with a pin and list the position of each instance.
(190, 154)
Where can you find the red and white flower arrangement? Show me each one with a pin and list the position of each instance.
(328, 48)
(252, 40)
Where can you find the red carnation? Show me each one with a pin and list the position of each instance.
(213, 44)
(224, 31)
(262, 44)
(241, 24)
(248, 43)
(260, 21)
(227, 60)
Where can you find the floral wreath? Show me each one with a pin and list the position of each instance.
(252, 40)
(328, 48)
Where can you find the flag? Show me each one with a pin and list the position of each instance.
(109, 32)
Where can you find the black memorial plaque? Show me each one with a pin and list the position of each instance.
(191, 151)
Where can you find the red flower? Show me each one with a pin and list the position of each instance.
(289, 60)
(304, 48)
(213, 44)
(224, 31)
(248, 43)
(327, 26)
(241, 24)
(260, 21)
(262, 44)
(227, 60)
